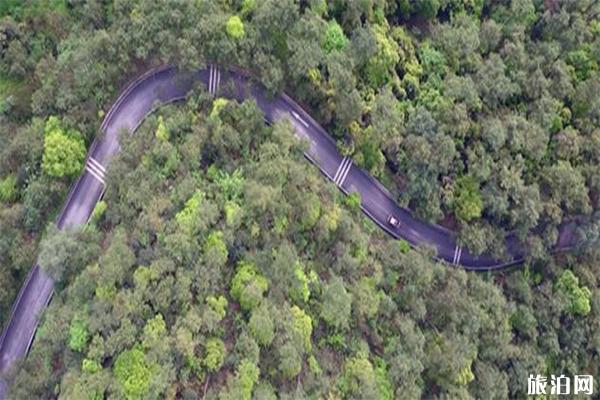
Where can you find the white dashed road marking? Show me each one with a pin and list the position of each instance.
(344, 174)
(97, 165)
(96, 170)
(340, 168)
(214, 78)
(457, 254)
(299, 118)
(210, 79)
(342, 171)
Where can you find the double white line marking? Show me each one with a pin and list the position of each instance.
(342, 171)
(457, 254)
(214, 78)
(96, 169)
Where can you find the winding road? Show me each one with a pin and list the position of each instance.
(166, 85)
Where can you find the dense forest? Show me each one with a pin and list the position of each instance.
(220, 264)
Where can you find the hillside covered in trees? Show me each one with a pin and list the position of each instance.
(220, 264)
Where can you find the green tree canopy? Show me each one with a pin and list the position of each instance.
(578, 297)
(64, 150)
(302, 326)
(78, 333)
(468, 203)
(8, 189)
(235, 27)
(334, 39)
(162, 133)
(262, 326)
(133, 373)
(380, 67)
(248, 286)
(214, 354)
(337, 304)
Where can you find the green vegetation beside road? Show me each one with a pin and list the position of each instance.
(220, 263)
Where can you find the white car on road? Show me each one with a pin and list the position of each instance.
(393, 221)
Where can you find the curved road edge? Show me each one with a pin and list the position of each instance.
(166, 85)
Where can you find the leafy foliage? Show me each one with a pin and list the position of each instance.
(215, 354)
(248, 286)
(336, 304)
(133, 372)
(235, 27)
(78, 334)
(230, 269)
(468, 201)
(578, 297)
(64, 151)
(334, 38)
(8, 189)
(162, 132)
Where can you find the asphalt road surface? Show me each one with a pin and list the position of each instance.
(167, 85)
